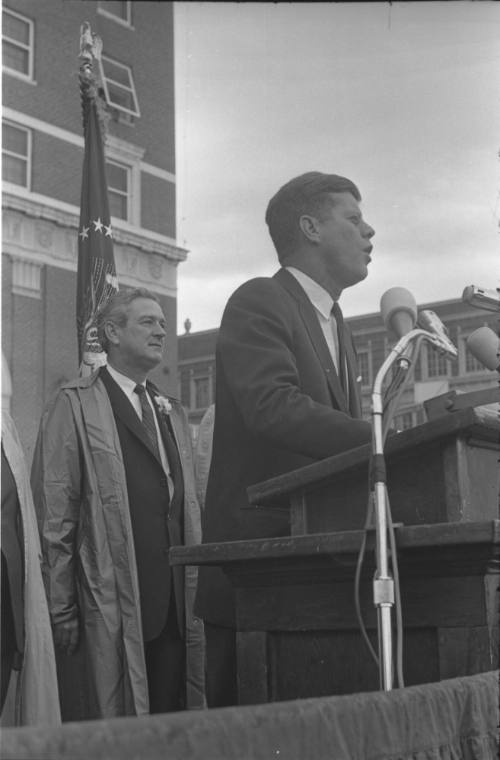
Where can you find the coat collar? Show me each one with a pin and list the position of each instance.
(313, 327)
(124, 410)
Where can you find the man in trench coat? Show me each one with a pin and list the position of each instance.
(114, 489)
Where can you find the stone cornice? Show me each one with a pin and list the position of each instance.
(67, 215)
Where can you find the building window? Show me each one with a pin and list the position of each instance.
(118, 189)
(364, 368)
(17, 44)
(119, 11)
(470, 363)
(202, 398)
(404, 421)
(16, 154)
(185, 383)
(119, 86)
(409, 419)
(437, 363)
(123, 173)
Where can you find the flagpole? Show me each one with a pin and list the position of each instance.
(96, 271)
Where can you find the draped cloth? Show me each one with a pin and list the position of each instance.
(450, 720)
(33, 698)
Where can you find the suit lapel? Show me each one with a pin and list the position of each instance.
(313, 327)
(354, 399)
(169, 439)
(123, 409)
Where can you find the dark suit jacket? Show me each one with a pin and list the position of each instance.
(279, 406)
(156, 515)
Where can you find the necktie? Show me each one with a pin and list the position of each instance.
(148, 419)
(342, 368)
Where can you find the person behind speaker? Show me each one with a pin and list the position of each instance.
(114, 489)
(287, 391)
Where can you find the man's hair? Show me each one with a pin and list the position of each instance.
(115, 310)
(306, 194)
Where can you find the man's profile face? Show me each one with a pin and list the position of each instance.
(140, 340)
(345, 241)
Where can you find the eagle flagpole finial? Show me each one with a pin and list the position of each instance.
(90, 44)
(90, 50)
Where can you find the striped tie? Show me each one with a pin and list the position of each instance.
(148, 419)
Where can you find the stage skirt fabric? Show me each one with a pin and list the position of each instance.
(451, 720)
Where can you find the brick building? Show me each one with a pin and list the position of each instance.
(434, 374)
(42, 152)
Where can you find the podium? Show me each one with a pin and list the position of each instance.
(297, 634)
(443, 471)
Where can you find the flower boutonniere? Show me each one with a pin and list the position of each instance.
(163, 404)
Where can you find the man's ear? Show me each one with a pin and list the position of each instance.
(310, 227)
(111, 333)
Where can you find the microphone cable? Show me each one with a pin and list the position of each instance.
(396, 388)
(392, 397)
(357, 576)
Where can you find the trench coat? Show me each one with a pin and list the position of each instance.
(80, 493)
(34, 698)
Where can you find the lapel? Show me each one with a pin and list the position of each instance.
(313, 327)
(123, 410)
(355, 403)
(168, 435)
(162, 419)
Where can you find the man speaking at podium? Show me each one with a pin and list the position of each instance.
(287, 393)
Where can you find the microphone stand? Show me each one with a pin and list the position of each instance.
(383, 584)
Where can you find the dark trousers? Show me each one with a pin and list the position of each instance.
(221, 683)
(165, 667)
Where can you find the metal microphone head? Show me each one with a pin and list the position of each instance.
(484, 345)
(482, 298)
(399, 310)
(429, 320)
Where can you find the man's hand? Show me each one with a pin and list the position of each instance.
(66, 635)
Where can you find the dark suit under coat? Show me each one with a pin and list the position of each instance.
(156, 515)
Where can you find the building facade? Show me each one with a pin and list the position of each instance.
(42, 157)
(433, 374)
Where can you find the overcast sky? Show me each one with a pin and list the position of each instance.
(404, 99)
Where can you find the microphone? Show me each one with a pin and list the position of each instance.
(429, 320)
(399, 310)
(482, 298)
(484, 345)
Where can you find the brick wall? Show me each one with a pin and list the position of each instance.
(158, 205)
(57, 168)
(147, 48)
(25, 363)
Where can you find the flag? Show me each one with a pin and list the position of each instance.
(96, 273)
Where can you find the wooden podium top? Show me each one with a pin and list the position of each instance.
(469, 536)
(473, 424)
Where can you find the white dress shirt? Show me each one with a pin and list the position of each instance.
(128, 387)
(323, 303)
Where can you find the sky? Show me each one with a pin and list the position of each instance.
(402, 98)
